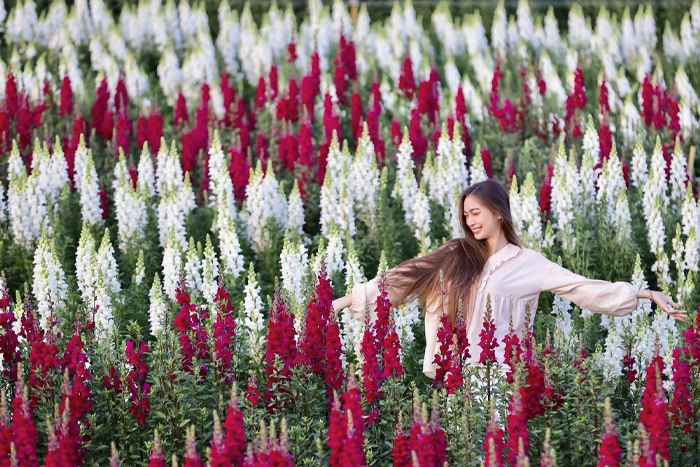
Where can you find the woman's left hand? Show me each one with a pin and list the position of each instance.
(667, 305)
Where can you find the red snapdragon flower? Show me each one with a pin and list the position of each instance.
(9, 340)
(346, 434)
(281, 352)
(155, 131)
(493, 443)
(654, 417)
(141, 131)
(401, 454)
(371, 368)
(11, 95)
(418, 141)
(124, 129)
(252, 393)
(156, 458)
(99, 106)
(23, 429)
(407, 83)
(334, 374)
(517, 426)
(235, 439)
(181, 114)
(193, 336)
(66, 107)
(313, 343)
(191, 455)
(681, 406)
(546, 194)
(239, 171)
(375, 136)
(138, 387)
(112, 382)
(396, 133)
(604, 99)
(647, 100)
(121, 98)
(292, 51)
(273, 78)
(609, 454)
(224, 333)
(376, 97)
(340, 81)
(488, 342)
(427, 440)
(271, 451)
(358, 115)
(348, 57)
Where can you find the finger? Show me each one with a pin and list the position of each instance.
(680, 315)
(674, 304)
(681, 318)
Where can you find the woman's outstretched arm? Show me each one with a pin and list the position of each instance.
(610, 298)
(364, 295)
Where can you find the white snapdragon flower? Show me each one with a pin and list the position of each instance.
(406, 186)
(140, 270)
(158, 309)
(146, 184)
(193, 266)
(210, 273)
(334, 252)
(132, 216)
(365, 176)
(294, 262)
(515, 206)
(678, 175)
(49, 287)
(612, 358)
(220, 184)
(264, 203)
(566, 193)
(640, 171)
(530, 209)
(253, 322)
(295, 211)
(477, 170)
(172, 263)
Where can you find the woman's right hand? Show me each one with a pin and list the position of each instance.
(340, 303)
(668, 305)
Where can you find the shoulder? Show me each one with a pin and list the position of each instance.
(533, 257)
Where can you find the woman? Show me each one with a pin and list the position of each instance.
(490, 260)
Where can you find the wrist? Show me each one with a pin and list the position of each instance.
(645, 294)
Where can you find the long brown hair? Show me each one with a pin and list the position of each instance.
(462, 260)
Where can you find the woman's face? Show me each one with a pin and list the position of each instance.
(483, 222)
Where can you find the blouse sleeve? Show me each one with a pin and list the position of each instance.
(364, 295)
(609, 298)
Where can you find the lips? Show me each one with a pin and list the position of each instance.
(477, 230)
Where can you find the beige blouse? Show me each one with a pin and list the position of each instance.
(513, 277)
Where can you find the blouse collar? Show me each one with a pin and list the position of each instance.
(494, 262)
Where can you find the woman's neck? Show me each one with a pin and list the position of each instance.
(496, 243)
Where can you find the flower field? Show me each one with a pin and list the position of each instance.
(184, 194)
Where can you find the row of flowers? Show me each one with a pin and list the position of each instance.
(209, 350)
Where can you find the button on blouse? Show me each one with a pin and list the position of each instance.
(513, 277)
